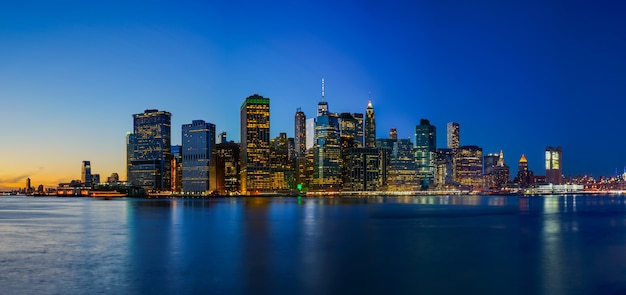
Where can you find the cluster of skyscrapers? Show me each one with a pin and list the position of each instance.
(329, 152)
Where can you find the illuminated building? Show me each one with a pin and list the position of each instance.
(177, 168)
(454, 135)
(113, 178)
(255, 141)
(327, 153)
(393, 134)
(198, 157)
(282, 173)
(402, 174)
(425, 152)
(525, 177)
(351, 125)
(554, 165)
(469, 167)
(444, 168)
(95, 179)
(300, 133)
(365, 169)
(370, 126)
(149, 151)
(496, 175)
(85, 175)
(227, 167)
(490, 161)
(310, 133)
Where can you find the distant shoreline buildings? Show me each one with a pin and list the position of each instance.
(330, 152)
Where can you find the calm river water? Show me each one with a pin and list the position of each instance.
(413, 245)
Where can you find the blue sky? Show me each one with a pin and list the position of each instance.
(517, 75)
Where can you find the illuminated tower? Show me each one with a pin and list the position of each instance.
(425, 152)
(198, 155)
(300, 133)
(525, 177)
(149, 150)
(86, 173)
(469, 166)
(370, 126)
(255, 144)
(454, 135)
(393, 134)
(322, 106)
(554, 165)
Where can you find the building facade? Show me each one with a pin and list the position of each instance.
(255, 144)
(198, 158)
(149, 151)
(227, 167)
(86, 176)
(300, 133)
(370, 126)
(469, 167)
(554, 165)
(425, 152)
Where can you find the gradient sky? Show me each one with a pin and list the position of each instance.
(517, 75)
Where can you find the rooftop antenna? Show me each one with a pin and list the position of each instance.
(322, 88)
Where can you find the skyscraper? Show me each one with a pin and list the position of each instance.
(327, 153)
(351, 126)
(149, 150)
(403, 169)
(198, 155)
(282, 173)
(393, 134)
(469, 166)
(177, 168)
(86, 176)
(227, 167)
(255, 144)
(370, 126)
(444, 168)
(454, 135)
(525, 177)
(310, 133)
(300, 133)
(425, 152)
(554, 165)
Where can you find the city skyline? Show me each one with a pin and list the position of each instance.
(73, 75)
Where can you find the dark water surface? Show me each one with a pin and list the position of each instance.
(412, 245)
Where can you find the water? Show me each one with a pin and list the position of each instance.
(413, 245)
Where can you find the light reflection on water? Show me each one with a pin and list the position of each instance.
(426, 244)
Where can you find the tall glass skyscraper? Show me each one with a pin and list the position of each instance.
(453, 135)
(351, 125)
(425, 152)
(300, 133)
(149, 150)
(327, 153)
(370, 126)
(255, 144)
(86, 176)
(554, 165)
(198, 155)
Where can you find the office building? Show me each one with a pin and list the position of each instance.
(496, 175)
(327, 153)
(393, 134)
(370, 126)
(469, 167)
(365, 169)
(198, 158)
(227, 167)
(525, 177)
(310, 133)
(444, 168)
(149, 151)
(425, 152)
(554, 165)
(402, 174)
(282, 172)
(300, 133)
(453, 135)
(177, 168)
(86, 176)
(351, 126)
(255, 144)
